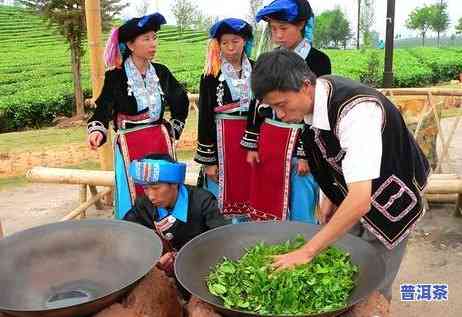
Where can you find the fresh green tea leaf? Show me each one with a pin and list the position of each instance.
(251, 284)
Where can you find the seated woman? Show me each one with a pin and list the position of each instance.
(175, 211)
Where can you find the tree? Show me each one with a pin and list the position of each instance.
(68, 16)
(459, 27)
(420, 19)
(332, 29)
(358, 26)
(110, 9)
(453, 39)
(366, 21)
(340, 28)
(202, 21)
(375, 39)
(255, 5)
(142, 7)
(321, 31)
(185, 12)
(440, 18)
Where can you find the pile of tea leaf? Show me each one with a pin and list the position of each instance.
(251, 284)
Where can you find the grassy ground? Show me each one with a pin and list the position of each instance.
(37, 140)
(53, 138)
(12, 182)
(35, 144)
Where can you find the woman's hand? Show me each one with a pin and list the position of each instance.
(302, 167)
(95, 139)
(211, 171)
(253, 157)
(166, 262)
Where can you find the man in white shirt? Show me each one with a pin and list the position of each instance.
(369, 167)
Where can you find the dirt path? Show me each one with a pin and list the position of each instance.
(36, 204)
(434, 253)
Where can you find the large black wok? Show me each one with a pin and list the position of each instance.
(73, 268)
(198, 256)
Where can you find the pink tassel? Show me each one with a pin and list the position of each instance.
(112, 56)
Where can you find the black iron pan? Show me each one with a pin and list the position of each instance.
(73, 268)
(197, 257)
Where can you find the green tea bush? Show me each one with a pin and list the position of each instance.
(36, 81)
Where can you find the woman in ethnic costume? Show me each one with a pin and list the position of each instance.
(291, 27)
(135, 95)
(224, 99)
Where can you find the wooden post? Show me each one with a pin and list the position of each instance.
(458, 211)
(83, 193)
(83, 198)
(442, 198)
(193, 101)
(422, 92)
(444, 176)
(70, 176)
(358, 26)
(1, 229)
(94, 192)
(447, 143)
(440, 186)
(76, 213)
(425, 112)
(389, 45)
(93, 18)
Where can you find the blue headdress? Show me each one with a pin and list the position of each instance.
(116, 47)
(289, 11)
(149, 171)
(226, 26)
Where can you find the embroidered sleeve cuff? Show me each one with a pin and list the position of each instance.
(94, 126)
(206, 154)
(250, 140)
(177, 126)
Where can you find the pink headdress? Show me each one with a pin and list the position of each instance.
(112, 55)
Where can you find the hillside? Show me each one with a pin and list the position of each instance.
(36, 81)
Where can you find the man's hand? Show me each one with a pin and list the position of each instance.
(302, 167)
(253, 157)
(211, 171)
(354, 206)
(94, 140)
(292, 259)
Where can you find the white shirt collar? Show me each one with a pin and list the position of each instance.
(320, 116)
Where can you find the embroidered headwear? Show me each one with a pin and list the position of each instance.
(149, 171)
(116, 46)
(226, 26)
(289, 11)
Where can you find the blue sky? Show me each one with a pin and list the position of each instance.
(240, 8)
